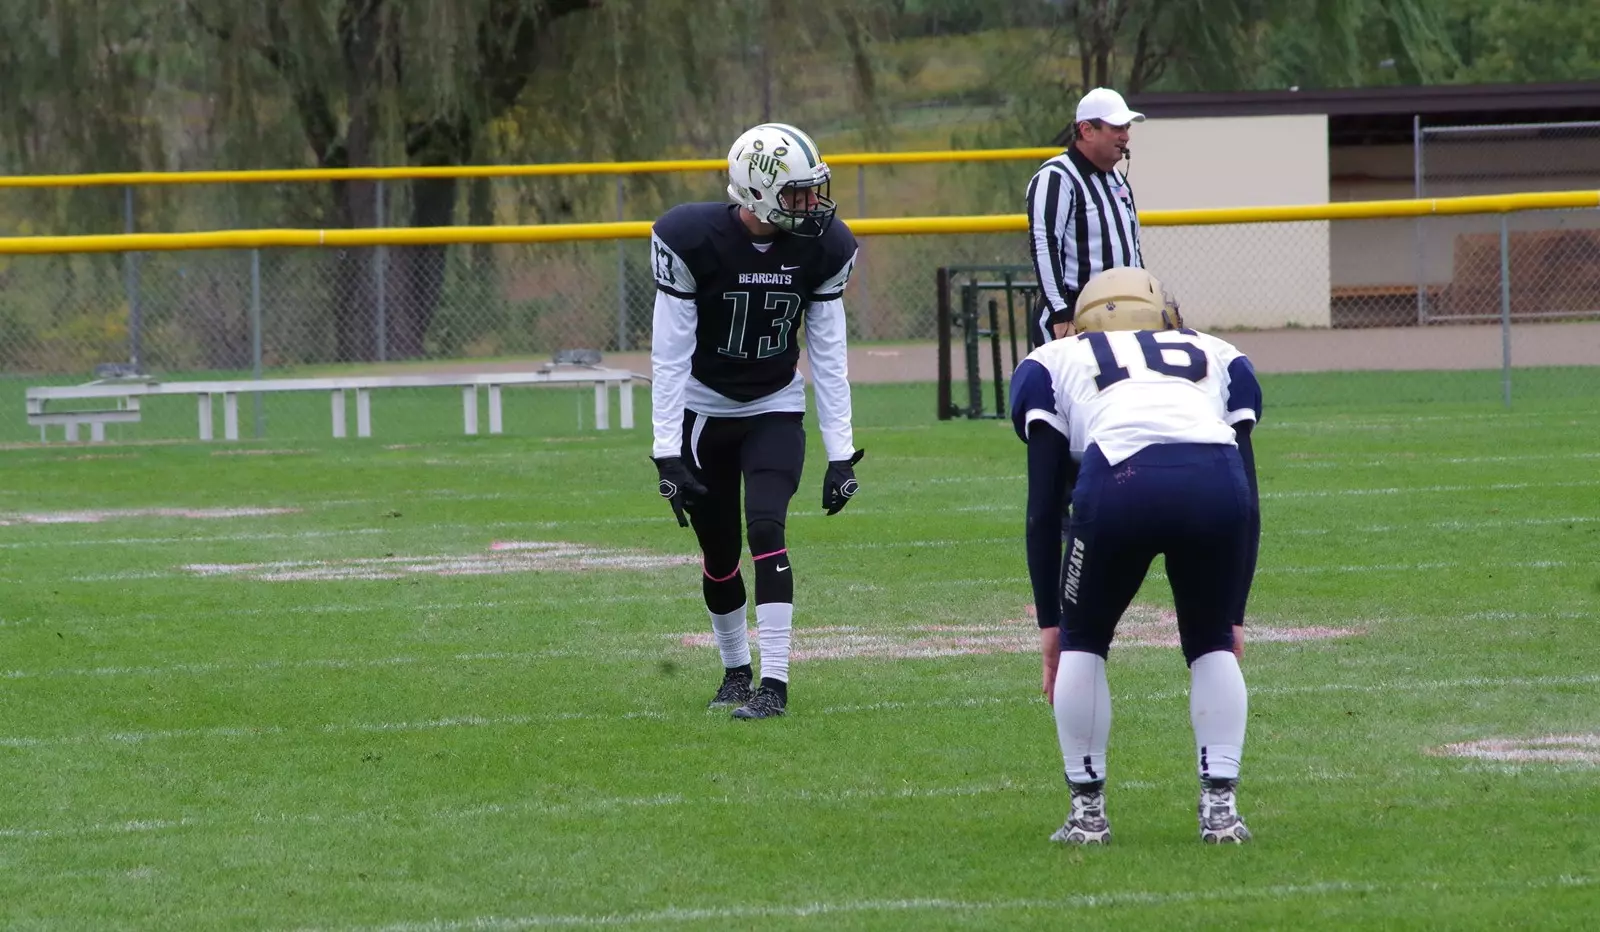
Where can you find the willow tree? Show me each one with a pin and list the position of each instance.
(97, 85)
(1225, 45)
(379, 82)
(1539, 40)
(1212, 45)
(79, 95)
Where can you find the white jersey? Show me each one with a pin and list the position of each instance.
(1125, 390)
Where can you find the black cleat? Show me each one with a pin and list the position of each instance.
(735, 689)
(768, 702)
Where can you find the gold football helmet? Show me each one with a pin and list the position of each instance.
(1125, 298)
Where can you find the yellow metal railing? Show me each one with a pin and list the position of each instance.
(499, 171)
(874, 226)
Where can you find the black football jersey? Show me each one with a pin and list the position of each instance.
(750, 304)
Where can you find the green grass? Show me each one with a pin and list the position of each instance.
(412, 415)
(517, 750)
(399, 415)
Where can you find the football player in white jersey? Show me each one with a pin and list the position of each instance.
(1147, 426)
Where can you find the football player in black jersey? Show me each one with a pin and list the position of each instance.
(735, 283)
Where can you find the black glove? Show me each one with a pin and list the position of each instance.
(678, 485)
(839, 485)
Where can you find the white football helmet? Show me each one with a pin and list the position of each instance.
(776, 172)
(1125, 298)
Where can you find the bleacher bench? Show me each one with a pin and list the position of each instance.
(122, 398)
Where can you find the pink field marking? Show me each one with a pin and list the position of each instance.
(1546, 749)
(1142, 626)
(97, 516)
(503, 556)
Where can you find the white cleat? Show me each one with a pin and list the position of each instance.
(1087, 824)
(1219, 814)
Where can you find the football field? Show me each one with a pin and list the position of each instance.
(431, 683)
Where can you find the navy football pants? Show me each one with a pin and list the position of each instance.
(1189, 502)
(765, 453)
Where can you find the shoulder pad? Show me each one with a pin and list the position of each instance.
(687, 225)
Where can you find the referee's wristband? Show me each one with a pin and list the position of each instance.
(1060, 317)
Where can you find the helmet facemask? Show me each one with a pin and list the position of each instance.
(804, 208)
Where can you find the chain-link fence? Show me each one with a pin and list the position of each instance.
(1464, 160)
(1506, 158)
(1334, 296)
(394, 277)
(1515, 300)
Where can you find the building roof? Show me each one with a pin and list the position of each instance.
(1368, 115)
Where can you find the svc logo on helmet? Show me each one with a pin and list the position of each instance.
(776, 172)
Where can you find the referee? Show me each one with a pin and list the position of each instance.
(1081, 218)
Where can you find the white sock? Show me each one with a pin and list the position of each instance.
(1218, 708)
(1083, 715)
(774, 623)
(731, 637)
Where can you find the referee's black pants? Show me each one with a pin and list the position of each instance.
(1040, 332)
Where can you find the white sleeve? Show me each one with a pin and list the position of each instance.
(671, 348)
(830, 376)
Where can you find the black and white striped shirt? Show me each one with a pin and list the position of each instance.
(1081, 221)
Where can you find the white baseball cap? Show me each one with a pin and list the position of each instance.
(1107, 105)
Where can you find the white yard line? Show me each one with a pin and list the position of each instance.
(31, 528)
(1064, 906)
(1453, 525)
(212, 539)
(1420, 567)
(1405, 686)
(526, 807)
(1347, 460)
(1145, 626)
(100, 515)
(674, 597)
(498, 558)
(317, 663)
(360, 608)
(1400, 687)
(1021, 696)
(660, 563)
(1400, 420)
(1431, 489)
(1571, 749)
(537, 807)
(249, 732)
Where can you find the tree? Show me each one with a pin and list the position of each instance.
(103, 85)
(372, 81)
(1541, 40)
(75, 95)
(1212, 45)
(1224, 45)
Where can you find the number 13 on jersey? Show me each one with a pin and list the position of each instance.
(782, 306)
